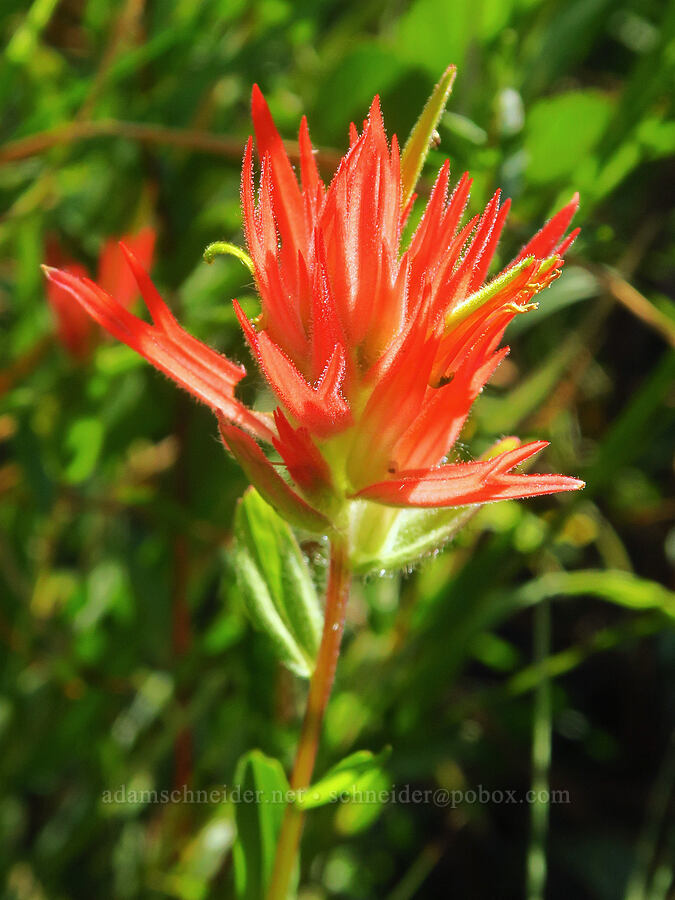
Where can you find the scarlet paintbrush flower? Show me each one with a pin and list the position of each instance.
(74, 327)
(375, 352)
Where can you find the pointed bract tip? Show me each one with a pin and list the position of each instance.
(128, 252)
(246, 326)
(247, 162)
(538, 446)
(56, 275)
(132, 260)
(260, 110)
(375, 112)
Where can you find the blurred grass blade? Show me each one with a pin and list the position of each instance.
(642, 416)
(276, 584)
(621, 588)
(541, 759)
(25, 38)
(638, 887)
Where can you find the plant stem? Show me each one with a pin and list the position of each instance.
(541, 757)
(320, 687)
(144, 133)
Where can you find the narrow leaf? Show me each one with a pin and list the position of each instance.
(276, 584)
(260, 795)
(418, 143)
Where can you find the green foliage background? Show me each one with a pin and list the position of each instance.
(116, 500)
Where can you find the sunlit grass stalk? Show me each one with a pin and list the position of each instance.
(638, 887)
(541, 757)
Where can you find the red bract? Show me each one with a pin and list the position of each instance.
(74, 327)
(375, 351)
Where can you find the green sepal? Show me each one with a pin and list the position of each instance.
(384, 540)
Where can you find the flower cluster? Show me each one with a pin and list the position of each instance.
(375, 351)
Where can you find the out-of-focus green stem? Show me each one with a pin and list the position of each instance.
(320, 688)
(541, 758)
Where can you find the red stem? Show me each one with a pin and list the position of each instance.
(320, 688)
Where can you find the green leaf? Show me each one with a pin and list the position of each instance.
(276, 584)
(419, 142)
(352, 776)
(562, 130)
(260, 798)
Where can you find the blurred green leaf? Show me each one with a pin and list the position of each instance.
(24, 39)
(560, 131)
(434, 34)
(353, 775)
(570, 30)
(84, 440)
(192, 876)
(360, 73)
